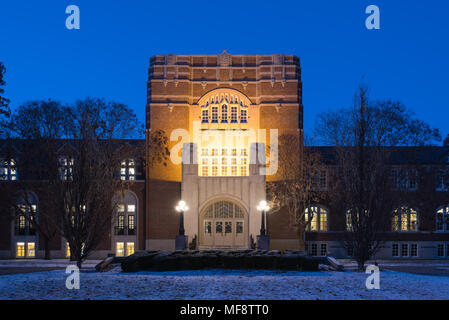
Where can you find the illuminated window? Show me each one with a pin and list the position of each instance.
(66, 168)
(126, 213)
(243, 116)
(224, 113)
(129, 248)
(207, 227)
(119, 249)
(24, 223)
(405, 219)
(128, 170)
(67, 250)
(443, 219)
(214, 114)
(31, 253)
(224, 171)
(20, 249)
(316, 217)
(218, 162)
(349, 220)
(8, 170)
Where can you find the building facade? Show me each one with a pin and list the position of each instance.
(221, 114)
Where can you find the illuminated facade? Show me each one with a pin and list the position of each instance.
(221, 114)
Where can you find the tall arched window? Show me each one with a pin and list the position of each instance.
(405, 219)
(318, 217)
(443, 219)
(224, 113)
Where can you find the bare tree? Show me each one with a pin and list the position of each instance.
(364, 190)
(4, 102)
(446, 141)
(33, 134)
(298, 185)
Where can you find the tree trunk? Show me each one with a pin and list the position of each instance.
(47, 248)
(79, 263)
(301, 239)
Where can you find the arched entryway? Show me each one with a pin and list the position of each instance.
(223, 224)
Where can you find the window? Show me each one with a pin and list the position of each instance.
(405, 219)
(205, 116)
(8, 170)
(214, 114)
(224, 113)
(126, 217)
(120, 250)
(442, 180)
(404, 179)
(413, 250)
(243, 116)
(313, 249)
(404, 250)
(239, 227)
(395, 250)
(24, 220)
(234, 114)
(31, 250)
(443, 219)
(220, 162)
(349, 222)
(440, 250)
(128, 170)
(67, 250)
(317, 216)
(208, 227)
(323, 249)
(66, 168)
(129, 248)
(319, 180)
(20, 249)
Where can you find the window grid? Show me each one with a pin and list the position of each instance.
(8, 170)
(128, 170)
(319, 217)
(224, 162)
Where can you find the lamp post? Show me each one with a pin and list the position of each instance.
(263, 241)
(181, 241)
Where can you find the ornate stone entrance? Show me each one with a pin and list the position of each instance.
(223, 224)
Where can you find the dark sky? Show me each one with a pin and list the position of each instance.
(407, 59)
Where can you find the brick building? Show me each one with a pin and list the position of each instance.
(221, 113)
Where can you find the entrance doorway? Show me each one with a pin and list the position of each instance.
(223, 224)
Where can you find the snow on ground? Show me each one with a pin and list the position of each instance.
(222, 285)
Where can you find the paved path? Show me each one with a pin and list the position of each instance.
(16, 270)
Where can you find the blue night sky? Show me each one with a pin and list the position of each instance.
(407, 60)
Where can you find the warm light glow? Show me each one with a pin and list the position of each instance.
(182, 206)
(263, 206)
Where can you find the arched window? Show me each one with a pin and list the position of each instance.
(234, 111)
(405, 219)
(318, 217)
(214, 110)
(443, 219)
(126, 215)
(224, 113)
